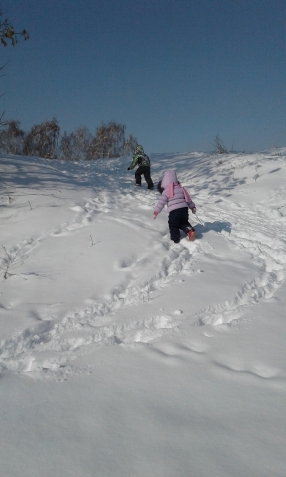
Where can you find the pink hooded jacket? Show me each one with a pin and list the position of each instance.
(174, 195)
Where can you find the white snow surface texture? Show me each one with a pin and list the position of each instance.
(125, 355)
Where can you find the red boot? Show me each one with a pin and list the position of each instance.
(191, 235)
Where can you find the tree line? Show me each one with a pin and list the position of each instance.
(44, 140)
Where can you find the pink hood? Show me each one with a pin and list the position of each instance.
(169, 181)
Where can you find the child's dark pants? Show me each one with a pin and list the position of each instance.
(145, 170)
(179, 219)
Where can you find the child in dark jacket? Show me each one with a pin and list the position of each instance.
(178, 204)
(142, 161)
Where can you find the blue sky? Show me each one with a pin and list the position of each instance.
(175, 72)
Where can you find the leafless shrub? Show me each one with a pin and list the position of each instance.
(42, 140)
(108, 141)
(11, 138)
(129, 145)
(76, 145)
(219, 145)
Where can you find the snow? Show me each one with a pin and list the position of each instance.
(123, 354)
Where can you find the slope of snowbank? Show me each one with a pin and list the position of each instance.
(124, 354)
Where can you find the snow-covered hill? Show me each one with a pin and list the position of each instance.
(123, 354)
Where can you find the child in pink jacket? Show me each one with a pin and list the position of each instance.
(178, 204)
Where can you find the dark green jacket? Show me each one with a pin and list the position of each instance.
(140, 160)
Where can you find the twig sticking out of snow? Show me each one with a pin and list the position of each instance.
(10, 261)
